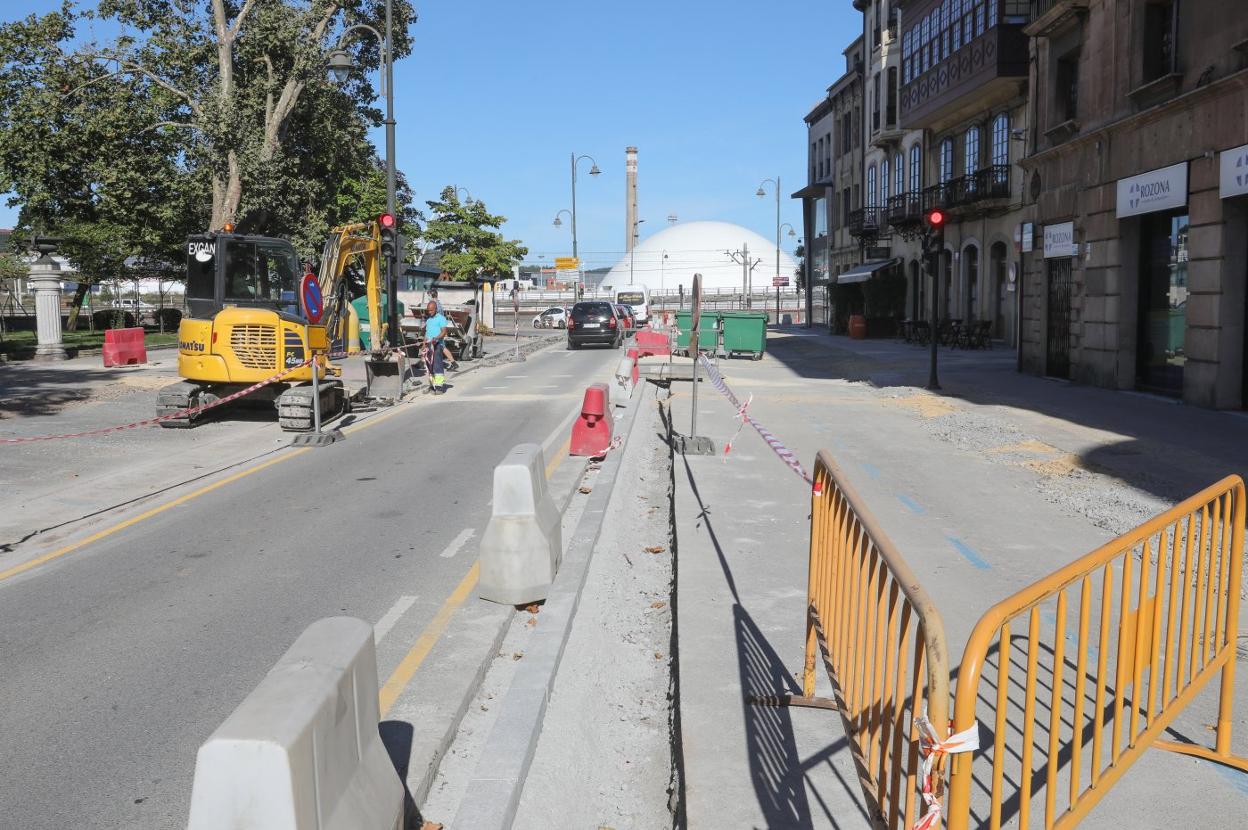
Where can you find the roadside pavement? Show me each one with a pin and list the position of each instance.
(984, 488)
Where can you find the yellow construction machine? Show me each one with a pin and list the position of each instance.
(245, 325)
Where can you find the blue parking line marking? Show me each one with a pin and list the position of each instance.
(911, 504)
(871, 470)
(967, 552)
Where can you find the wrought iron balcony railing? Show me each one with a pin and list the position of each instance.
(905, 209)
(865, 221)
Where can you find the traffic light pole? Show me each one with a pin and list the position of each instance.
(932, 382)
(392, 265)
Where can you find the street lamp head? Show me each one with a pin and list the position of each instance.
(792, 232)
(594, 171)
(558, 222)
(340, 65)
(760, 193)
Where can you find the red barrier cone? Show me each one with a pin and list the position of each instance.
(592, 431)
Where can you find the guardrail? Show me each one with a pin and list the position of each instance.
(883, 647)
(1168, 594)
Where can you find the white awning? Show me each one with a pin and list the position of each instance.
(864, 272)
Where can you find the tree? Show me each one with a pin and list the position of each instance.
(464, 235)
(202, 113)
(799, 275)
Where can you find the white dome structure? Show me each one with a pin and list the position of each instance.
(672, 256)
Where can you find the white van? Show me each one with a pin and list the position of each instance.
(637, 298)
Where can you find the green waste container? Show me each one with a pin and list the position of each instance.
(684, 327)
(744, 332)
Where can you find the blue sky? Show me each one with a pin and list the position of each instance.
(498, 94)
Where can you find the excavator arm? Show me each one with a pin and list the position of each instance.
(344, 246)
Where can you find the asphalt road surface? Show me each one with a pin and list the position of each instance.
(118, 660)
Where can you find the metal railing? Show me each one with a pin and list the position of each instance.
(904, 209)
(1167, 593)
(881, 641)
(865, 221)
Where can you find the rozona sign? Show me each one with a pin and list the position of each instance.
(1155, 190)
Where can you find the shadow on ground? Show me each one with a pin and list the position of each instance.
(1165, 448)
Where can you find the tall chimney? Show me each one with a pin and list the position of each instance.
(630, 197)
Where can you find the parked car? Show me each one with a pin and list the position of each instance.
(141, 306)
(555, 317)
(627, 317)
(594, 322)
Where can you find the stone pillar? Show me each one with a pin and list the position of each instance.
(44, 282)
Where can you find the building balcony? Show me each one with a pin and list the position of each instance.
(1049, 17)
(973, 193)
(989, 70)
(865, 222)
(905, 210)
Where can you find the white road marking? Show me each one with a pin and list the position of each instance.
(493, 387)
(551, 386)
(561, 376)
(515, 377)
(391, 617)
(458, 542)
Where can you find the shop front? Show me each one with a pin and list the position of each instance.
(1157, 202)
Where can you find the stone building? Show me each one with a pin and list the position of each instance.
(1135, 277)
(834, 182)
(964, 84)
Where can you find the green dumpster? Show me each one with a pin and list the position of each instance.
(684, 327)
(744, 332)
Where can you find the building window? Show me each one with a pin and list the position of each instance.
(821, 217)
(992, 13)
(871, 186)
(827, 154)
(944, 29)
(916, 168)
(946, 160)
(1161, 30)
(1066, 101)
(905, 58)
(970, 146)
(845, 207)
(846, 134)
(899, 175)
(1001, 139)
(857, 196)
(875, 27)
(968, 22)
(979, 17)
(890, 108)
(884, 182)
(957, 25)
(875, 103)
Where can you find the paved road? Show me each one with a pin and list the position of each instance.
(117, 660)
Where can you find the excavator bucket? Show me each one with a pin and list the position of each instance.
(385, 376)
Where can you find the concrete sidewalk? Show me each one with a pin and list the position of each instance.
(984, 489)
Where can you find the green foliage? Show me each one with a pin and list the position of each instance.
(465, 236)
(799, 275)
(11, 267)
(200, 113)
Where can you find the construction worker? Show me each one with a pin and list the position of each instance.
(446, 352)
(435, 342)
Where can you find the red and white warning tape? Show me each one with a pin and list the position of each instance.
(777, 446)
(932, 749)
(194, 410)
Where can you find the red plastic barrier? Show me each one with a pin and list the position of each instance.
(123, 347)
(592, 431)
(652, 343)
(635, 356)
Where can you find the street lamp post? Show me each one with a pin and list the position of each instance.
(340, 65)
(630, 252)
(593, 171)
(791, 233)
(760, 193)
(467, 201)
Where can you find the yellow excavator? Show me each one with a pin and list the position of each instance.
(245, 325)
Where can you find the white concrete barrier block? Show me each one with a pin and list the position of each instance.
(622, 382)
(523, 543)
(302, 751)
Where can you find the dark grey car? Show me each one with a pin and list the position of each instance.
(594, 322)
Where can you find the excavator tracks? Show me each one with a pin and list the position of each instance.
(178, 397)
(294, 407)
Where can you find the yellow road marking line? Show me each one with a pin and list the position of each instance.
(407, 667)
(560, 454)
(95, 537)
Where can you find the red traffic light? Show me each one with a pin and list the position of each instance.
(386, 220)
(936, 218)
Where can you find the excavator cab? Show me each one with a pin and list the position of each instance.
(245, 327)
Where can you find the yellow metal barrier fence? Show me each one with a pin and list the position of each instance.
(1168, 594)
(882, 643)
